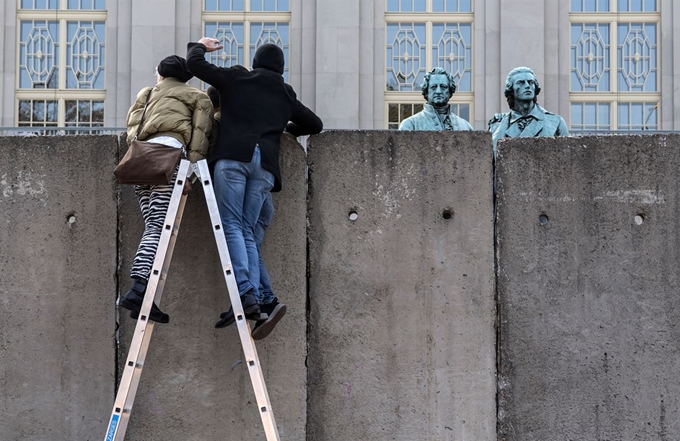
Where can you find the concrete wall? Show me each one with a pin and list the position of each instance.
(390, 328)
(588, 300)
(402, 311)
(57, 287)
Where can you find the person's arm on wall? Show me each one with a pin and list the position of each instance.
(304, 121)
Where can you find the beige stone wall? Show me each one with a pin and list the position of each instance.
(338, 55)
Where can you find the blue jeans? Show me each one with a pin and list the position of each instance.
(266, 295)
(240, 189)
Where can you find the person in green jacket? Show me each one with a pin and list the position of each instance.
(179, 116)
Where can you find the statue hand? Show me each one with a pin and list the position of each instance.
(211, 44)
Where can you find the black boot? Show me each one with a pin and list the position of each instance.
(134, 298)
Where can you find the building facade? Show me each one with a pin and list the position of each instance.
(604, 65)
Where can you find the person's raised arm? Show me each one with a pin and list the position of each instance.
(198, 65)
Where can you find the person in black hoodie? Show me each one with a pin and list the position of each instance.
(256, 107)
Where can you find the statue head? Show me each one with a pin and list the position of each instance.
(528, 80)
(438, 87)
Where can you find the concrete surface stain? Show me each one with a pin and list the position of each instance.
(634, 196)
(24, 184)
(624, 196)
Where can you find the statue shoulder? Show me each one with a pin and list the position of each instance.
(553, 116)
(557, 123)
(408, 123)
(495, 121)
(464, 124)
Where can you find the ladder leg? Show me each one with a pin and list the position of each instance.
(249, 350)
(132, 371)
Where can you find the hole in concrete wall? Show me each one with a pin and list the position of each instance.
(71, 218)
(447, 213)
(639, 219)
(543, 219)
(353, 215)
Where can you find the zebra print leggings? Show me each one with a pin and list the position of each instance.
(153, 201)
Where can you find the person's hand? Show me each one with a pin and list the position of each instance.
(211, 44)
(187, 187)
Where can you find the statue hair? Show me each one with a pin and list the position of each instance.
(425, 85)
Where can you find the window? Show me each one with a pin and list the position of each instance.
(422, 35)
(244, 25)
(614, 81)
(60, 68)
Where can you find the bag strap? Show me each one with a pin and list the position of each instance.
(141, 121)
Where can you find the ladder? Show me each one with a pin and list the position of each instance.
(122, 408)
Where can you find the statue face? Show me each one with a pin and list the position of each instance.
(524, 86)
(438, 93)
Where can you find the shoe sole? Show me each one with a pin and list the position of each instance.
(251, 313)
(267, 327)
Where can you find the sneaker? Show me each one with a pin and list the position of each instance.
(250, 308)
(275, 312)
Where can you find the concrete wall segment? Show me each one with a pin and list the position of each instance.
(588, 300)
(402, 340)
(57, 286)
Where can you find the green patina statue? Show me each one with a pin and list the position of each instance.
(525, 118)
(437, 88)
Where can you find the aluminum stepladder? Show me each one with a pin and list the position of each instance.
(134, 363)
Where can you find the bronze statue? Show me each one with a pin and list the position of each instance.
(525, 118)
(437, 88)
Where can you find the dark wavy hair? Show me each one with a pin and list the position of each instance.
(509, 93)
(214, 97)
(425, 85)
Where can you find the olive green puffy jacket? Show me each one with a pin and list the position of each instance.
(175, 109)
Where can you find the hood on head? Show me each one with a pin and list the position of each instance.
(269, 56)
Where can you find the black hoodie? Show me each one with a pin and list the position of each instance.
(256, 107)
